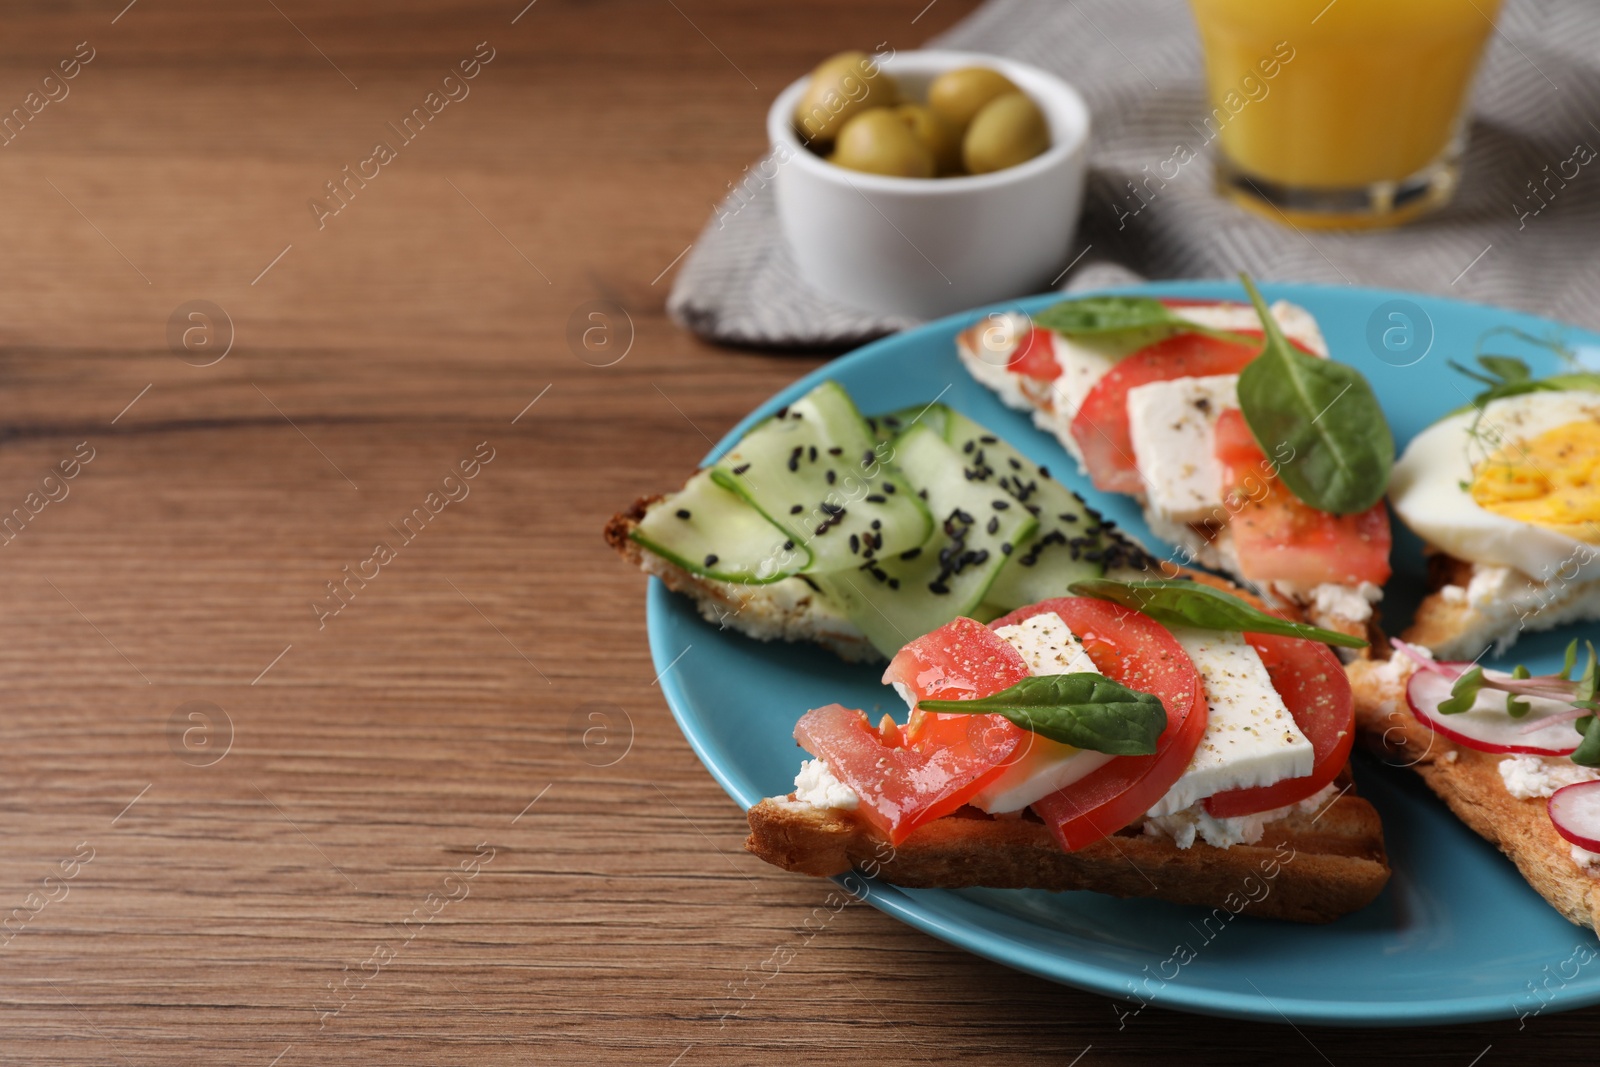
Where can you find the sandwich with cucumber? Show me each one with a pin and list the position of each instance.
(860, 534)
(1152, 738)
(1251, 452)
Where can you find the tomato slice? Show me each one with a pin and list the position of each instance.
(1140, 653)
(911, 776)
(1100, 426)
(1313, 684)
(1035, 356)
(1277, 537)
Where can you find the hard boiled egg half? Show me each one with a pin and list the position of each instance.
(1515, 484)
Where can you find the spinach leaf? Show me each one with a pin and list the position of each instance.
(1326, 412)
(1083, 710)
(1178, 602)
(1111, 319)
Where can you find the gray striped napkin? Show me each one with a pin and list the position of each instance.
(1523, 230)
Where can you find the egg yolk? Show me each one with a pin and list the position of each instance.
(1552, 480)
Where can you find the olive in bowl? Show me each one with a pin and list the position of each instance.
(845, 110)
(914, 247)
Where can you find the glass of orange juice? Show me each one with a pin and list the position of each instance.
(1340, 114)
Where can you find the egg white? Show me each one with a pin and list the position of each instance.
(1429, 493)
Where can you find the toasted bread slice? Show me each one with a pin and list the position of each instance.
(1345, 608)
(1309, 867)
(1469, 782)
(1472, 606)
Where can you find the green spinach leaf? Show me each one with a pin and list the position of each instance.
(1177, 602)
(1083, 710)
(1326, 412)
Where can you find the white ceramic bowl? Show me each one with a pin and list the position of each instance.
(923, 247)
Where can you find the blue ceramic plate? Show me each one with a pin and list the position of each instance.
(1456, 935)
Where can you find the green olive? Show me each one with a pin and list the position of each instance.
(960, 94)
(842, 87)
(1009, 130)
(879, 142)
(941, 139)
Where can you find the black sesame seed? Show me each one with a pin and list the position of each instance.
(855, 543)
(988, 440)
(938, 587)
(888, 487)
(831, 476)
(877, 498)
(711, 560)
(1067, 516)
(868, 458)
(836, 451)
(788, 546)
(831, 508)
(797, 509)
(967, 448)
(741, 468)
(894, 583)
(911, 553)
(994, 525)
(1005, 548)
(794, 458)
(811, 454)
(1000, 505)
(683, 513)
(1044, 472)
(1015, 465)
(877, 524)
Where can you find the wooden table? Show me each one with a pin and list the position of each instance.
(242, 827)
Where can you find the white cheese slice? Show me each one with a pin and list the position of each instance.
(1048, 647)
(1250, 739)
(1173, 428)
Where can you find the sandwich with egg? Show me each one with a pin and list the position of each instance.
(1153, 738)
(1506, 494)
(1251, 451)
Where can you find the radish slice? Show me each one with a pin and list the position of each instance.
(1545, 731)
(1575, 811)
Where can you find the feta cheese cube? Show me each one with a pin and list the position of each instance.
(1173, 428)
(1250, 739)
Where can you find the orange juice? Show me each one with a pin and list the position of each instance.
(1361, 92)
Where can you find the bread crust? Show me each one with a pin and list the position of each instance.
(1469, 783)
(1308, 867)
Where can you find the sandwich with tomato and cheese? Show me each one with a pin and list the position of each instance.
(1250, 450)
(1154, 738)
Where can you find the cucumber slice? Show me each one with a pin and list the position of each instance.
(1072, 542)
(898, 598)
(816, 472)
(709, 531)
(891, 425)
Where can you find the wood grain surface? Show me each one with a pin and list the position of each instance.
(240, 830)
